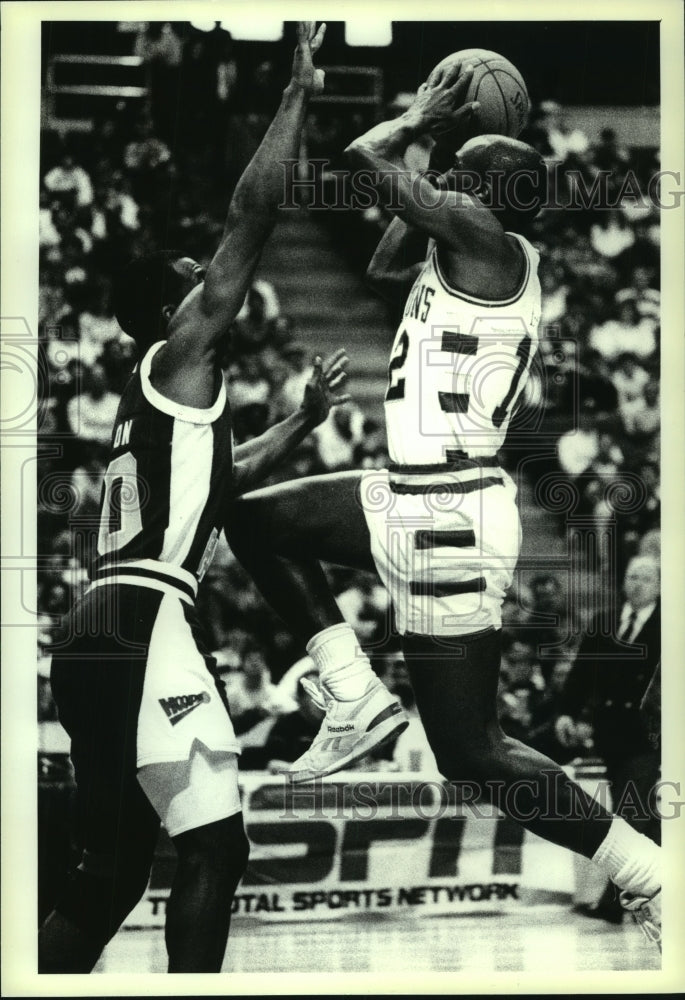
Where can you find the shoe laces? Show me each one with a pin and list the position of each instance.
(641, 911)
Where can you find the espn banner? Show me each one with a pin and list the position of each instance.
(377, 843)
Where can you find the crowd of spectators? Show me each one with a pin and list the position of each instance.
(106, 197)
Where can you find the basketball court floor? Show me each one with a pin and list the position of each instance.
(544, 940)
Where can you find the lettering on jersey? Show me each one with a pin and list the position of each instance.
(178, 706)
(419, 302)
(122, 434)
(208, 553)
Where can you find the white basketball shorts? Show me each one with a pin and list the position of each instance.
(445, 544)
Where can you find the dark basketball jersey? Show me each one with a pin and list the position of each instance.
(164, 490)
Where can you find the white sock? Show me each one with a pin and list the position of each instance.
(631, 860)
(342, 666)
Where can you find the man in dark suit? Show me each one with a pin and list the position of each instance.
(605, 688)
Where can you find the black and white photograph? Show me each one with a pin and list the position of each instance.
(342, 542)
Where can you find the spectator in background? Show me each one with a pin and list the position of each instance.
(595, 483)
(547, 621)
(74, 265)
(146, 159)
(612, 234)
(520, 666)
(555, 291)
(647, 419)
(62, 580)
(69, 181)
(647, 299)
(578, 447)
(118, 359)
(362, 601)
(646, 515)
(254, 325)
(296, 357)
(250, 395)
(53, 308)
(576, 321)
(71, 226)
(630, 380)
(609, 458)
(48, 236)
(372, 452)
(625, 332)
(86, 483)
(91, 412)
(650, 545)
(339, 437)
(554, 133)
(115, 211)
(97, 325)
(521, 687)
(543, 727)
(251, 694)
(605, 688)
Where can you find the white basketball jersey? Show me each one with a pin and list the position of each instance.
(458, 366)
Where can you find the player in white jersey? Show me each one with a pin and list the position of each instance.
(136, 689)
(440, 524)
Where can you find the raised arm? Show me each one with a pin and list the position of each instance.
(397, 261)
(205, 315)
(452, 218)
(256, 459)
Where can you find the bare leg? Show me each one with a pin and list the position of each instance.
(211, 862)
(455, 683)
(279, 534)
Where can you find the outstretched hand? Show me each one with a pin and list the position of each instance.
(309, 41)
(438, 106)
(319, 398)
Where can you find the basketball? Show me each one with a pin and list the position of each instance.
(498, 86)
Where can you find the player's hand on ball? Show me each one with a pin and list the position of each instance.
(327, 376)
(438, 107)
(309, 41)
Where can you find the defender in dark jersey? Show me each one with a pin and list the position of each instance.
(136, 689)
(440, 525)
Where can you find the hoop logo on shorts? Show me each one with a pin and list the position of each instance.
(178, 707)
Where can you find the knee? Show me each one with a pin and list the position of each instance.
(473, 756)
(218, 849)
